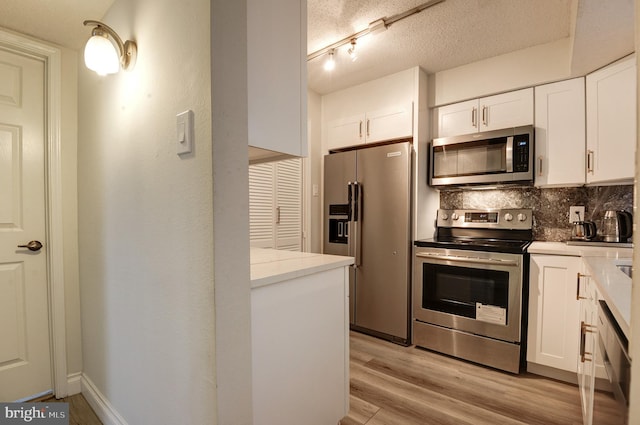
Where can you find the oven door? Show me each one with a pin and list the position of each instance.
(471, 291)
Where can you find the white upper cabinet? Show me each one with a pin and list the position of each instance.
(390, 123)
(512, 109)
(560, 133)
(375, 111)
(277, 76)
(611, 123)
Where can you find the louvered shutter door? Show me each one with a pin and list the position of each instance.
(289, 203)
(261, 205)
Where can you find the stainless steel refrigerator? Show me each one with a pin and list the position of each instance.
(367, 213)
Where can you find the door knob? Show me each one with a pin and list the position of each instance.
(32, 246)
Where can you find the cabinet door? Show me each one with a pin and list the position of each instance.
(346, 131)
(277, 75)
(456, 119)
(560, 133)
(275, 205)
(506, 110)
(553, 311)
(611, 123)
(587, 352)
(391, 123)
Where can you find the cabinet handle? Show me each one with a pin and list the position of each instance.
(277, 215)
(368, 134)
(578, 297)
(474, 117)
(590, 161)
(584, 329)
(539, 166)
(485, 116)
(360, 130)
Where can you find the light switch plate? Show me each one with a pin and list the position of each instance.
(184, 132)
(576, 213)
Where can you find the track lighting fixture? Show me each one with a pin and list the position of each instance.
(100, 54)
(352, 50)
(376, 26)
(330, 63)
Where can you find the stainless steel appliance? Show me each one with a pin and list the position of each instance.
(617, 226)
(614, 347)
(500, 156)
(470, 286)
(367, 212)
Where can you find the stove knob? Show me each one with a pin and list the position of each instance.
(522, 217)
(444, 216)
(454, 216)
(508, 217)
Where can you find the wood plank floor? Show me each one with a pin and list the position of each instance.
(80, 413)
(395, 385)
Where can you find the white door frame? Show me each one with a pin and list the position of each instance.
(51, 57)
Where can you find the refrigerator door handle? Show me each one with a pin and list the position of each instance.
(357, 205)
(349, 200)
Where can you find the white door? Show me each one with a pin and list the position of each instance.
(25, 363)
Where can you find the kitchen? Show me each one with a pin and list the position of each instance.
(549, 200)
(136, 239)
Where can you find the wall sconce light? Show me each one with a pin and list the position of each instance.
(100, 54)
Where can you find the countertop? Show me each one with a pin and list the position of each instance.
(270, 266)
(613, 285)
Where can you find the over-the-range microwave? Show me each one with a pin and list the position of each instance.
(492, 157)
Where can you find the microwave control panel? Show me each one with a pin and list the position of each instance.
(521, 153)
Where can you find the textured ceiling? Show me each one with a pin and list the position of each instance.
(56, 21)
(449, 34)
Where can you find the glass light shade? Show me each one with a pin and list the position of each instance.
(100, 55)
(330, 63)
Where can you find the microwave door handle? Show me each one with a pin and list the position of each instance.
(509, 154)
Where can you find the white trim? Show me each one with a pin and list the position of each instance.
(306, 204)
(74, 383)
(51, 57)
(100, 404)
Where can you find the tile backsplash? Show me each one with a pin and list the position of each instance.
(550, 206)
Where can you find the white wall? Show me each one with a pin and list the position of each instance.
(315, 161)
(634, 341)
(146, 221)
(523, 68)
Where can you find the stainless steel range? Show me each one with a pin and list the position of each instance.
(471, 284)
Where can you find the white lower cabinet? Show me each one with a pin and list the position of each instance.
(300, 349)
(552, 339)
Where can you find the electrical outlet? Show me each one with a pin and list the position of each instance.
(576, 214)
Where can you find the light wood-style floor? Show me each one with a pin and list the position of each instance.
(395, 385)
(80, 413)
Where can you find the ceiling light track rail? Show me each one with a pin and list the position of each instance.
(375, 26)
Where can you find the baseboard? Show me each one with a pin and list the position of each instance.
(100, 404)
(74, 384)
(553, 373)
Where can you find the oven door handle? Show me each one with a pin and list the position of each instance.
(492, 261)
